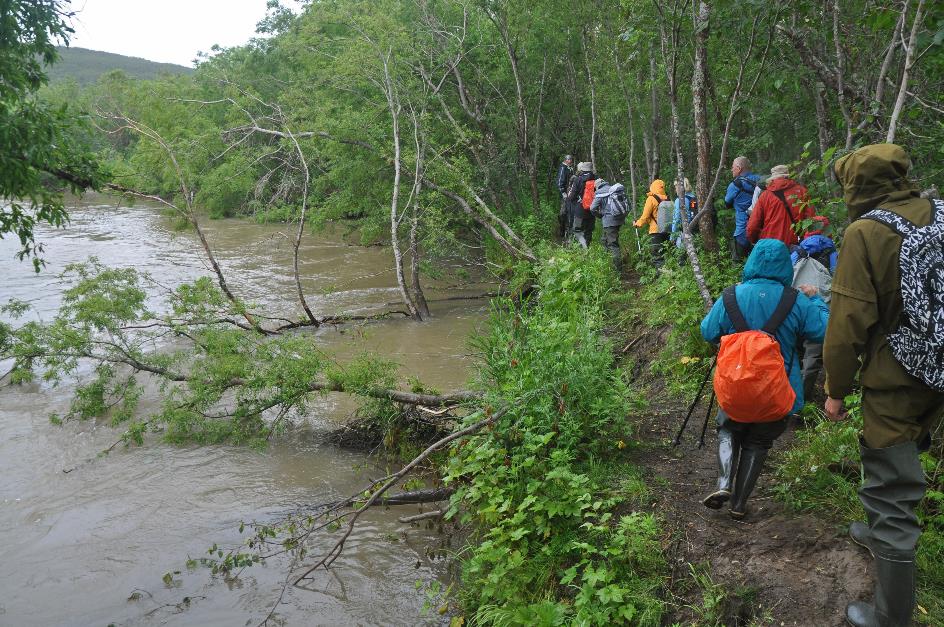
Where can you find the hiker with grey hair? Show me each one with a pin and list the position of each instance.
(564, 174)
(783, 204)
(738, 196)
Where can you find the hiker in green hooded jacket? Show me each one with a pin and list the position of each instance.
(898, 410)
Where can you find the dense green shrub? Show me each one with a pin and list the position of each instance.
(538, 486)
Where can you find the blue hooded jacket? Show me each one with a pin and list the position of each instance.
(767, 272)
(739, 195)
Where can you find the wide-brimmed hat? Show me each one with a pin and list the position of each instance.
(585, 166)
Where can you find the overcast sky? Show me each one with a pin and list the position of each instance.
(171, 31)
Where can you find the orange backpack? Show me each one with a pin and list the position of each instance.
(751, 382)
(589, 189)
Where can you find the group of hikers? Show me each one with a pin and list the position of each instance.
(872, 316)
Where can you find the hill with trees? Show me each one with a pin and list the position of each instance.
(86, 66)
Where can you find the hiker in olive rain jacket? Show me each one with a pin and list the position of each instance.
(898, 410)
(743, 447)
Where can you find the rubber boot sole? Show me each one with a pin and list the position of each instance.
(716, 500)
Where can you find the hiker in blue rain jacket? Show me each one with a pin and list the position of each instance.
(743, 447)
(739, 196)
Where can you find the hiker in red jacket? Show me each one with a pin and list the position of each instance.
(784, 203)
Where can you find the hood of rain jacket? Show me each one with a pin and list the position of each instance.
(770, 259)
(767, 272)
(657, 187)
(874, 176)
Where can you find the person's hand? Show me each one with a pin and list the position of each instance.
(833, 409)
(809, 290)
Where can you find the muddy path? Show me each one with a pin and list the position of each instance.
(776, 567)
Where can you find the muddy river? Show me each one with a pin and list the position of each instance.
(90, 546)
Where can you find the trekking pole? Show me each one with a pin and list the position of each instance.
(704, 427)
(636, 232)
(691, 409)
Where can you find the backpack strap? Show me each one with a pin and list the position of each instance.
(937, 211)
(784, 307)
(892, 220)
(738, 182)
(783, 199)
(729, 300)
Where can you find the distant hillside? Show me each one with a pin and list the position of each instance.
(85, 66)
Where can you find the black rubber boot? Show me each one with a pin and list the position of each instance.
(894, 596)
(860, 534)
(894, 485)
(749, 467)
(729, 448)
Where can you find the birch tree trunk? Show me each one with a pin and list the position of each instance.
(630, 128)
(394, 106)
(419, 298)
(654, 119)
(593, 102)
(822, 119)
(670, 71)
(840, 76)
(702, 139)
(906, 70)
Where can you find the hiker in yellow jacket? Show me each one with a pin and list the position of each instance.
(650, 216)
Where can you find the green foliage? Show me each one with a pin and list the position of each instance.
(670, 298)
(222, 381)
(38, 141)
(538, 485)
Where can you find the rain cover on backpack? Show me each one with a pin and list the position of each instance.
(918, 343)
(751, 380)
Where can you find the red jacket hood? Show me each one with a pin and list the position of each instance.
(782, 184)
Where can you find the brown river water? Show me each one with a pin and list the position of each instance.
(78, 544)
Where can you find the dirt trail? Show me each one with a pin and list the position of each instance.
(799, 568)
(777, 567)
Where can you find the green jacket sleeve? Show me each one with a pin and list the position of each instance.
(854, 313)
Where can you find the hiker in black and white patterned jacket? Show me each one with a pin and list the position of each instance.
(887, 324)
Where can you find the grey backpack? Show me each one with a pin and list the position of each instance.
(664, 213)
(618, 205)
(918, 343)
(809, 271)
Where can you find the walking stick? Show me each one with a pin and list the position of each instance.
(636, 232)
(691, 409)
(704, 427)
